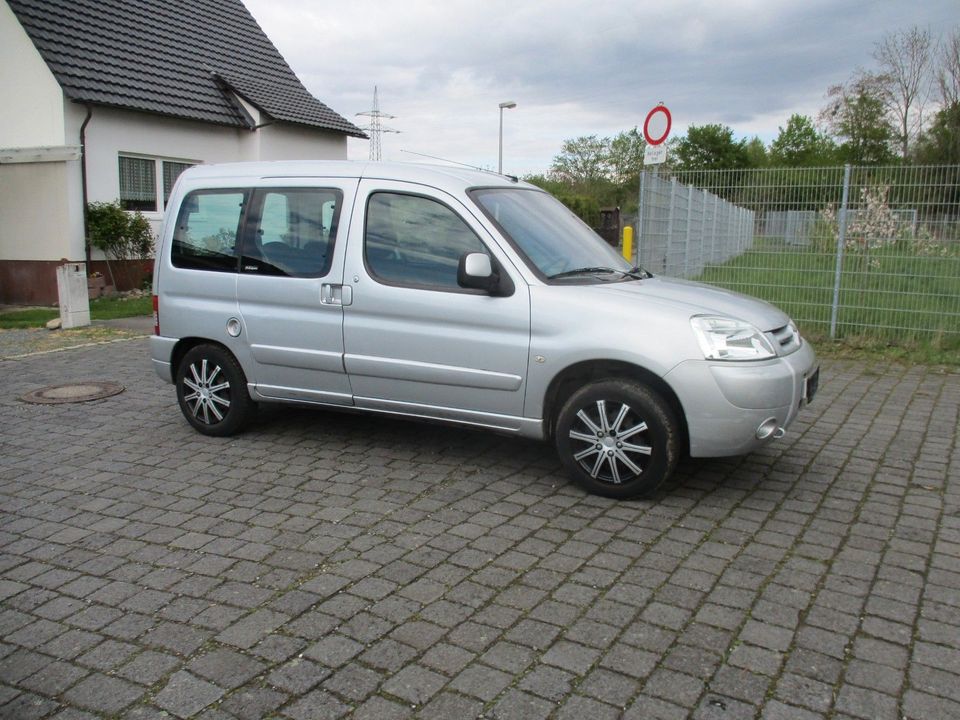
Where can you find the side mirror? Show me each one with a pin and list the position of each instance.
(475, 271)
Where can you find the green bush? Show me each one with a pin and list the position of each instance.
(121, 235)
(583, 206)
(118, 233)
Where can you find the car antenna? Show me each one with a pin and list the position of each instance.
(454, 162)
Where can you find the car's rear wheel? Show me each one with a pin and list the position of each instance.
(617, 438)
(212, 391)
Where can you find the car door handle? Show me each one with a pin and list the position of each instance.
(331, 294)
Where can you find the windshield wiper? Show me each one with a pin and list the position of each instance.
(637, 273)
(582, 271)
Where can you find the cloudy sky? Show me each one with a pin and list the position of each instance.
(575, 67)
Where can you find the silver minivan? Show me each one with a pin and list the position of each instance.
(464, 297)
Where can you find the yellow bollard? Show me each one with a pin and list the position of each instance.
(628, 243)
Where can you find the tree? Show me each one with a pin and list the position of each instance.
(799, 144)
(625, 158)
(757, 156)
(940, 145)
(710, 147)
(603, 169)
(905, 60)
(582, 162)
(856, 115)
(948, 74)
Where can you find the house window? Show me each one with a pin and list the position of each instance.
(171, 171)
(138, 184)
(142, 177)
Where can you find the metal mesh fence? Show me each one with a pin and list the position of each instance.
(846, 250)
(685, 229)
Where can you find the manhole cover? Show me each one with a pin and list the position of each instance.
(73, 392)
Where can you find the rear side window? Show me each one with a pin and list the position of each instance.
(291, 232)
(205, 237)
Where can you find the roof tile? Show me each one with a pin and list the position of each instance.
(179, 58)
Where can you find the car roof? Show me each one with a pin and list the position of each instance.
(442, 176)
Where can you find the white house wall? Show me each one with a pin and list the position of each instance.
(111, 133)
(38, 227)
(293, 142)
(31, 114)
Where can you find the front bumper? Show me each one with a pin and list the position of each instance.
(726, 403)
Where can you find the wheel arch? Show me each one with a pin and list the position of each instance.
(572, 378)
(187, 344)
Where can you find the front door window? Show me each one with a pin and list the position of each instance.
(415, 241)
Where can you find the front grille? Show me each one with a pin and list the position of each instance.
(786, 339)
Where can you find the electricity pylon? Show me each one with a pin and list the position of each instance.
(376, 128)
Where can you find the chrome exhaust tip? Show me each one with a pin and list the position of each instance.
(769, 428)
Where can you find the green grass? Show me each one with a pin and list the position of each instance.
(109, 308)
(32, 318)
(113, 308)
(893, 302)
(859, 347)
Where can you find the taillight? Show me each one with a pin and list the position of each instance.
(156, 315)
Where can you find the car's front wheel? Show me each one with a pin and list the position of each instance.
(617, 438)
(212, 391)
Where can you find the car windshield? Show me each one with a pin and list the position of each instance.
(554, 241)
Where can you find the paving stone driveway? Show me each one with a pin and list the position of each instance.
(324, 564)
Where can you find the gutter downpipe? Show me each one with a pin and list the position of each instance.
(83, 181)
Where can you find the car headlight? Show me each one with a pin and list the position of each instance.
(724, 338)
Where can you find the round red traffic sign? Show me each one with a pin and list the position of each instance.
(657, 125)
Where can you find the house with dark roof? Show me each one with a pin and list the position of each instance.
(111, 100)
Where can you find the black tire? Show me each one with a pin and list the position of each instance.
(212, 391)
(593, 429)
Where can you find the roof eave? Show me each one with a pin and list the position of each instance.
(144, 111)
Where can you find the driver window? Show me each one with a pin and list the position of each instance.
(416, 241)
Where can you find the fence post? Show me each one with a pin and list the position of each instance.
(713, 230)
(638, 236)
(670, 214)
(741, 229)
(841, 240)
(742, 234)
(686, 240)
(704, 260)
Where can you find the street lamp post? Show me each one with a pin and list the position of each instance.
(509, 105)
